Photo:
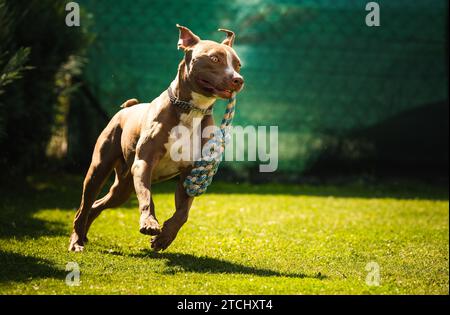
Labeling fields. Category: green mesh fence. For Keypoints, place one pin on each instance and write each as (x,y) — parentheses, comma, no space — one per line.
(313,68)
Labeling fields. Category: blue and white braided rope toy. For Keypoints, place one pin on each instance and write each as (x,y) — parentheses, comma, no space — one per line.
(204,169)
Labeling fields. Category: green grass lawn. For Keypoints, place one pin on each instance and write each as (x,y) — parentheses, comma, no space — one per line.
(240,239)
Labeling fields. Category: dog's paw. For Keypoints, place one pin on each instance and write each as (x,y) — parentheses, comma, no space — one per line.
(76,248)
(76,245)
(161,242)
(149,226)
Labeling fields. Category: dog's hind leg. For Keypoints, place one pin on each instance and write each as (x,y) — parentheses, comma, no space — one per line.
(95,178)
(106,153)
(118,194)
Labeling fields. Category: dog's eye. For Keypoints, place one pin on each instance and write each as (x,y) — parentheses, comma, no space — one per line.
(214,58)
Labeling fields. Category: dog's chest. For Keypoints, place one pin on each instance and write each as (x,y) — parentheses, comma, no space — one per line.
(181,138)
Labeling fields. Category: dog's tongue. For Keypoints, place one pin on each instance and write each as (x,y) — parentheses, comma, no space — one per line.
(226,94)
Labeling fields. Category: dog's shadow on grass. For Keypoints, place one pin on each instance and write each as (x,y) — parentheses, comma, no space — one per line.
(20,268)
(179,262)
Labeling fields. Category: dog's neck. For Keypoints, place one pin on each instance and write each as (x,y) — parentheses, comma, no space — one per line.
(182,89)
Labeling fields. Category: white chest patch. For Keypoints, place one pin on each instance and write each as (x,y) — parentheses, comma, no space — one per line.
(202,101)
(182,135)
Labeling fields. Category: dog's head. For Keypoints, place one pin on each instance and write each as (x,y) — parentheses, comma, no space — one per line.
(212,68)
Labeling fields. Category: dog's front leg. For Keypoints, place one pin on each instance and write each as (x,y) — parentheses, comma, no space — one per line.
(142,173)
(171,227)
(183,201)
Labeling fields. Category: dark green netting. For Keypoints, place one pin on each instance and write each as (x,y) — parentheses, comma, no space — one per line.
(313,68)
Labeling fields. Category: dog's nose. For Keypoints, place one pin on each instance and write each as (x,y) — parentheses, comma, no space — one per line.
(237,82)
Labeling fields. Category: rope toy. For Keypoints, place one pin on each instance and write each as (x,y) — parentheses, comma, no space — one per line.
(204,169)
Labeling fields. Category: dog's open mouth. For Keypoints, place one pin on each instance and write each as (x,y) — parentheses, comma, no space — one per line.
(208,86)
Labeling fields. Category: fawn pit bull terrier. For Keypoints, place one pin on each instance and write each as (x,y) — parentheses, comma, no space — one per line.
(136,143)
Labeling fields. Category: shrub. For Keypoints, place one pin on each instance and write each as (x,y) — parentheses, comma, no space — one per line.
(33,37)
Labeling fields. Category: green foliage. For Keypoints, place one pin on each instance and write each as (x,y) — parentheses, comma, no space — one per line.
(239,239)
(12,69)
(11,66)
(34,37)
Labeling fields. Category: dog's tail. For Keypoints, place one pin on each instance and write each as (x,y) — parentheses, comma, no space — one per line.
(129,103)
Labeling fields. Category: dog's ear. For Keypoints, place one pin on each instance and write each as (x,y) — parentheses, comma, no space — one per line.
(230,37)
(187,38)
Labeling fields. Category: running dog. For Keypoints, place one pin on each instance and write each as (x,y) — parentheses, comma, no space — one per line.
(136,143)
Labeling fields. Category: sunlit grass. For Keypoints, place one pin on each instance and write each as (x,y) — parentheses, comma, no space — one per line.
(240,239)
